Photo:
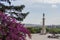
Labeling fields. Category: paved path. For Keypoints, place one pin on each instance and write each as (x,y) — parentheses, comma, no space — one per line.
(41,37)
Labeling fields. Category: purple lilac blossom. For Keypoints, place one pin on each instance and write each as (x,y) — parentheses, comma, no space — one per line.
(11,30)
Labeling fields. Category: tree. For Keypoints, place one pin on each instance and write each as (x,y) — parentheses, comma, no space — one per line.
(10,29)
(14,11)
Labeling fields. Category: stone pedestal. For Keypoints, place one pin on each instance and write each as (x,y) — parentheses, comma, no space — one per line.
(43,31)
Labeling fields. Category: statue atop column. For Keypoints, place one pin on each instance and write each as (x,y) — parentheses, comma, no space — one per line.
(43,31)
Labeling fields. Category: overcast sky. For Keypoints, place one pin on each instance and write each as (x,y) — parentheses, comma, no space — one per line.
(51,8)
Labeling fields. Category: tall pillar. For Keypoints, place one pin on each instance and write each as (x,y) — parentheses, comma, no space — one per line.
(43,31)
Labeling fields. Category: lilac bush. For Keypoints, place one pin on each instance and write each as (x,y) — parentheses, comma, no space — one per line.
(10,29)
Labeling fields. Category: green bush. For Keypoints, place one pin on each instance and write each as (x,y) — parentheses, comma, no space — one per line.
(34,29)
(54,30)
(38,30)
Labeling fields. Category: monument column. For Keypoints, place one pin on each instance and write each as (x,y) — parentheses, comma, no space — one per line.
(43,31)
